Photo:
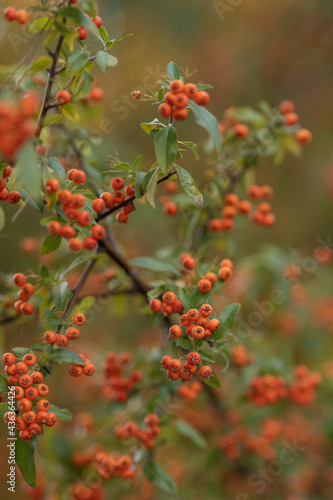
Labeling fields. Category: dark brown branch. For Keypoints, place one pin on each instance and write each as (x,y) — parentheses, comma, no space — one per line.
(131,198)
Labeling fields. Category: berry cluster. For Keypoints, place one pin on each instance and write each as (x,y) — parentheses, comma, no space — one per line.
(118,386)
(88,369)
(113,464)
(14,196)
(71,205)
(30,392)
(241,357)
(116,198)
(302,391)
(234,206)
(23,306)
(209,280)
(176,369)
(16,123)
(72,332)
(177,99)
(146,436)
(21,16)
(190,392)
(169,304)
(81,491)
(267,389)
(290,118)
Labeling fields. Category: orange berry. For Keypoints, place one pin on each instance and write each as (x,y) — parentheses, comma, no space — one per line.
(75,244)
(205,372)
(72,333)
(202,98)
(181,100)
(175,332)
(63,97)
(225,273)
(180,114)
(190,90)
(165,109)
(241,130)
(206,310)
(10,13)
(211,277)
(176,86)
(13,197)
(8,358)
(37,377)
(98,205)
(22,16)
(204,286)
(42,389)
(98,232)
(165,362)
(82,33)
(193,358)
(29,359)
(50,337)
(79,319)
(54,227)
(304,136)
(98,21)
(286,107)
(244,207)
(155,305)
(19,279)
(169,298)
(89,243)
(62,341)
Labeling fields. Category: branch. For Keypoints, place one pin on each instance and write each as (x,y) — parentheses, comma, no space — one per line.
(131,198)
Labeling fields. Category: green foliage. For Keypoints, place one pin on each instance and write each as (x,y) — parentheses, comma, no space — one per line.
(161,479)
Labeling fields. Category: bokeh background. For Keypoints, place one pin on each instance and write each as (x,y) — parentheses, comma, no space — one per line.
(254,50)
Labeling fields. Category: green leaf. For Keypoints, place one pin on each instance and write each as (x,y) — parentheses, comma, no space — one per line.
(65,356)
(184,343)
(189,185)
(104,61)
(149,126)
(208,121)
(44,272)
(214,382)
(151,187)
(26,177)
(138,180)
(227,317)
(42,62)
(2,219)
(70,112)
(60,295)
(104,34)
(161,479)
(249,115)
(58,168)
(207,357)
(111,43)
(166,147)
(123,166)
(193,147)
(75,61)
(41,347)
(62,413)
(50,244)
(186,298)
(39,24)
(25,459)
(84,305)
(154,265)
(36,203)
(173,71)
(3,384)
(20,351)
(190,432)
(53,320)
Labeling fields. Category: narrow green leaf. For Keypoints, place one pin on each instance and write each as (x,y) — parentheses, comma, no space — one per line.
(50,244)
(161,479)
(20,351)
(76,60)
(149,126)
(193,147)
(184,343)
(65,356)
(189,185)
(39,24)
(25,459)
(154,265)
(208,121)
(151,187)
(173,71)
(62,413)
(58,168)
(3,384)
(214,382)
(166,147)
(26,177)
(190,432)
(227,317)
(70,112)
(60,295)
